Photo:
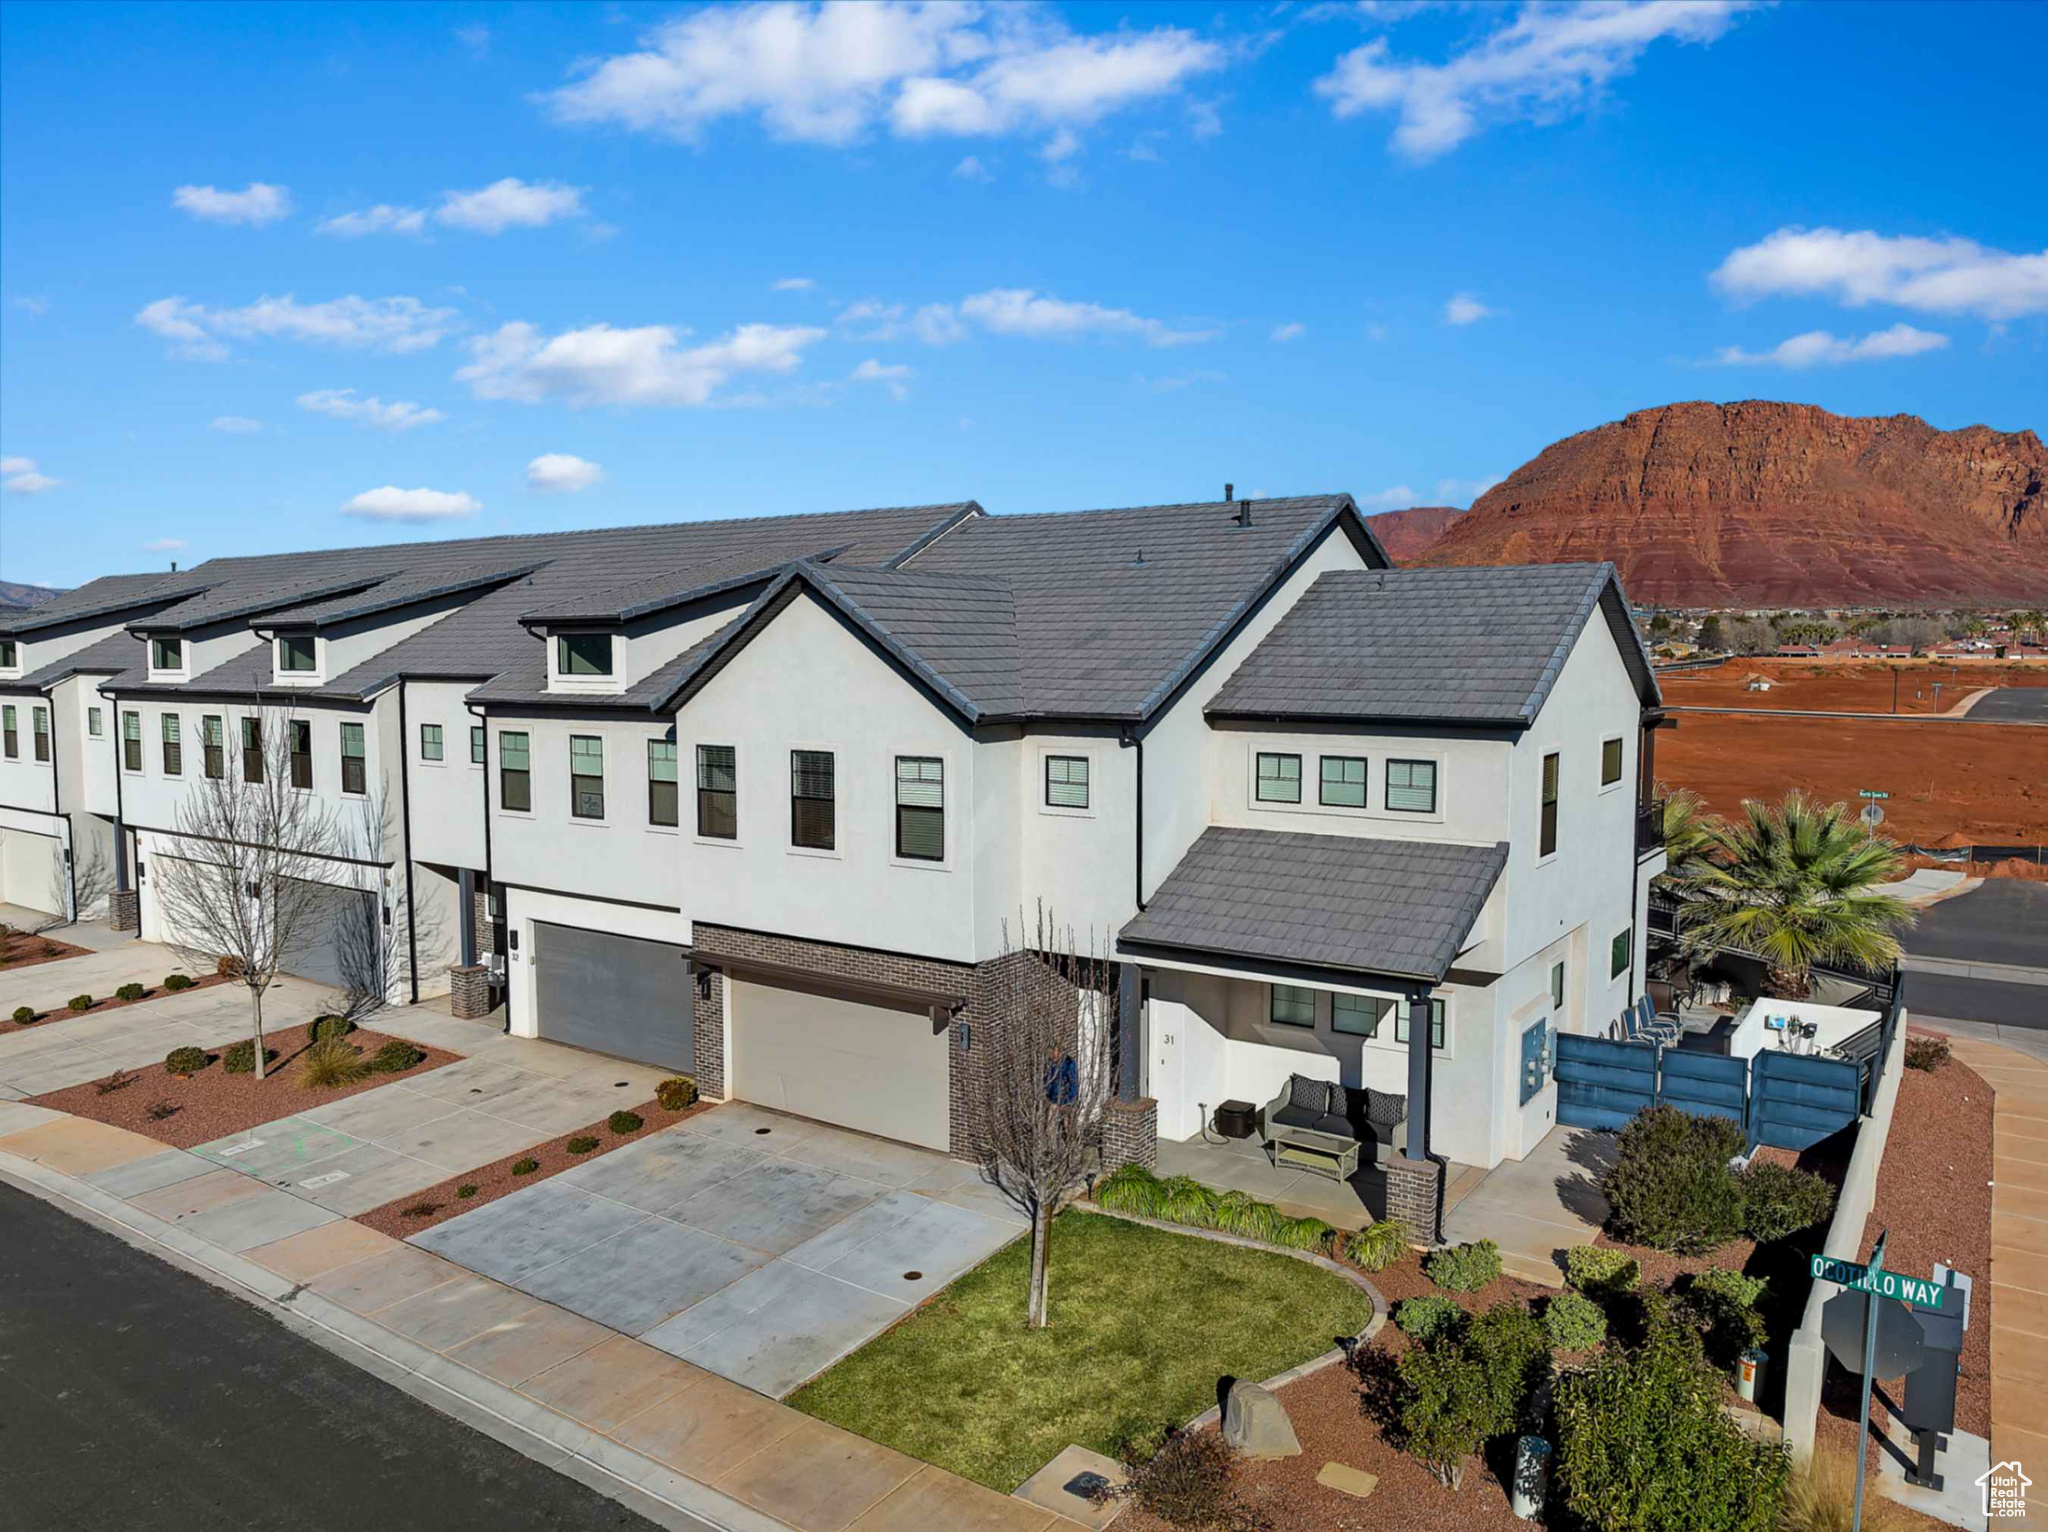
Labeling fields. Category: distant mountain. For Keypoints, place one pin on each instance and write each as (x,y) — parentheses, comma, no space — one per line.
(1407,534)
(1779,505)
(17,595)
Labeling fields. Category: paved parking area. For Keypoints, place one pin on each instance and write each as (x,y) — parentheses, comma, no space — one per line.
(757,1246)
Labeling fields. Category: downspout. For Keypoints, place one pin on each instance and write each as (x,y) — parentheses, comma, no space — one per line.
(121,878)
(490,877)
(1133,740)
(412,910)
(57,804)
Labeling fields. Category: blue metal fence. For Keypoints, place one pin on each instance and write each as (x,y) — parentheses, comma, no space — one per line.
(1797,1100)
(1705,1084)
(1787,1100)
(1602,1083)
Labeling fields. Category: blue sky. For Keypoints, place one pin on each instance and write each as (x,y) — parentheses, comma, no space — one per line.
(280,277)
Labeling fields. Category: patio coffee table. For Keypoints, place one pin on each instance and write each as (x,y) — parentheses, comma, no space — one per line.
(1319,1155)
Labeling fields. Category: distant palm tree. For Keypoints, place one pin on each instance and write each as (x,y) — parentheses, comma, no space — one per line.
(1798,885)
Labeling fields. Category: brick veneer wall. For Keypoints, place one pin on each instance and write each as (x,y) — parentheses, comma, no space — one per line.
(124,910)
(1415,1197)
(1130,1134)
(469,991)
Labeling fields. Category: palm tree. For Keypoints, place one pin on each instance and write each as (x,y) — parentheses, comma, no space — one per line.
(1798,884)
(1689,839)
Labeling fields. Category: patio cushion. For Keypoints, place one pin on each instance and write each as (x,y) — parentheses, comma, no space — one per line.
(1340,1126)
(1383,1109)
(1296,1117)
(1311,1096)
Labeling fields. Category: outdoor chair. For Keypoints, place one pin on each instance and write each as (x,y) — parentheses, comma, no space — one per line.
(1319,1126)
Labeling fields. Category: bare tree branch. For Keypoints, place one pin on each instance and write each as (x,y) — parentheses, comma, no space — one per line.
(74,893)
(376,938)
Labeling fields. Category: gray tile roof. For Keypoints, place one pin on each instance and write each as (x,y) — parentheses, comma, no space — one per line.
(1397,907)
(110,656)
(107,596)
(1476,646)
(401,590)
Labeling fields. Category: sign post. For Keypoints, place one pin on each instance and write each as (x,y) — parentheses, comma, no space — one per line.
(1869,1359)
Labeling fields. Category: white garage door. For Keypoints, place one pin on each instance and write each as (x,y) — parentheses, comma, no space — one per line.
(28,862)
(861,1066)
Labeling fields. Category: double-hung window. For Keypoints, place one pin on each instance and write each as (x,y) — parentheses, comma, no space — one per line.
(718,814)
(1411,786)
(1279,778)
(42,728)
(1547,844)
(1610,761)
(1066,781)
(1358,1015)
(813,817)
(95,722)
(586,776)
(1618,954)
(1292,1006)
(212,740)
(1436,1024)
(252,750)
(515,774)
(476,744)
(174,748)
(10,738)
(921,808)
(299,735)
(131,741)
(661,782)
(353,766)
(430,742)
(1343,782)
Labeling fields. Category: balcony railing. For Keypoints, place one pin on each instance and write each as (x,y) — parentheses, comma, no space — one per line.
(1650,828)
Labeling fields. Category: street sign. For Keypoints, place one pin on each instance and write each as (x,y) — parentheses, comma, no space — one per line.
(1871,792)
(1886,1284)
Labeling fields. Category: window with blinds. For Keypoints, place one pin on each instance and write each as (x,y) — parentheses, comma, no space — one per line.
(1358,1015)
(718,813)
(586,776)
(42,730)
(95,722)
(1279,778)
(1066,781)
(299,737)
(921,808)
(813,821)
(174,747)
(1343,782)
(1292,1006)
(1548,842)
(10,738)
(661,782)
(166,654)
(1436,1025)
(354,768)
(1411,786)
(213,744)
(515,776)
(252,750)
(131,741)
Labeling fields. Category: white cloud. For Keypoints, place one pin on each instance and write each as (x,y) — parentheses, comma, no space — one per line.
(896,375)
(1464,308)
(10,465)
(1063,145)
(199,333)
(1397,497)
(1023,311)
(384,218)
(792,285)
(235,425)
(258,205)
(33,305)
(972,169)
(1179,381)
(561,473)
(1940,276)
(342,404)
(389,503)
(1292,330)
(508,203)
(830,74)
(646,365)
(1817,348)
(1549,62)
(475,37)
(21,476)
(163,545)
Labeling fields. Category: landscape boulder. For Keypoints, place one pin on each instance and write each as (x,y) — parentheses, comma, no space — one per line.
(1256,1423)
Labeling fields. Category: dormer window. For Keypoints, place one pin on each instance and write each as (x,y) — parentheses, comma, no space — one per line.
(10,655)
(583,656)
(167,655)
(295,655)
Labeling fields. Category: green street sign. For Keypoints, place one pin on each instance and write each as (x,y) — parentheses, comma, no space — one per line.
(1886,1284)
(1871,792)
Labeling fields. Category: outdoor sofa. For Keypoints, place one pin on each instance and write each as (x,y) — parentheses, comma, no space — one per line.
(1320,1126)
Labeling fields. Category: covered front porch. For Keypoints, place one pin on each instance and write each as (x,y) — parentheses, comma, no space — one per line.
(1245,1165)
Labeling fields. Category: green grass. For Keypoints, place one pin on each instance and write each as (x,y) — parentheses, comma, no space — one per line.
(1143,1324)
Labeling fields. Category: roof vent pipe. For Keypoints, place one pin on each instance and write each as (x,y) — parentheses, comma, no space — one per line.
(1244,513)
(174,566)
(1230,492)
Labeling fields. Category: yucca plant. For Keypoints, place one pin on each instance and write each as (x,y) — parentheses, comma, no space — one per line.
(1130,1189)
(1183,1199)
(331,1062)
(1378,1246)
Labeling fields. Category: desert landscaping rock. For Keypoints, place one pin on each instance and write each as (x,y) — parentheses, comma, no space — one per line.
(1256,1423)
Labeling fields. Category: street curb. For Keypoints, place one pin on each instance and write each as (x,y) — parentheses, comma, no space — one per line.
(566,1446)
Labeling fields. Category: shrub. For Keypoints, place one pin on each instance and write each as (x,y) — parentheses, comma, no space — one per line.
(1723,1304)
(1464,1268)
(177,981)
(1304,1234)
(1928,1053)
(24,1014)
(230,967)
(130,992)
(1822,1498)
(158,1111)
(1445,1412)
(1183,1199)
(1242,1214)
(1379,1246)
(1643,1445)
(240,1058)
(582,1143)
(1188,1481)
(81,1002)
(1778,1200)
(1601,1270)
(1131,1189)
(676,1092)
(185,1061)
(328,1026)
(395,1058)
(466,1190)
(331,1062)
(623,1122)
(1513,1353)
(1671,1188)
(525,1167)
(1574,1322)
(1428,1318)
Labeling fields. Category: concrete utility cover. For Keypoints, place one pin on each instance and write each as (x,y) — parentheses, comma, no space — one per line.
(1900,1344)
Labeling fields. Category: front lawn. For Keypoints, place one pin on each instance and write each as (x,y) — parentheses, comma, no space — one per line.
(1143,1324)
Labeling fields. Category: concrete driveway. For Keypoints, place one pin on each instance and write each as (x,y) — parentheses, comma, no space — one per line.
(758,1246)
(98,973)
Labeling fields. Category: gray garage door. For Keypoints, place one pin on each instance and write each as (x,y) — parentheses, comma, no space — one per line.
(863,1066)
(343,934)
(614,994)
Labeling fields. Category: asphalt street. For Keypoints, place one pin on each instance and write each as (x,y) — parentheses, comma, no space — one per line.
(1939,995)
(2014,704)
(135,1395)
(2002,920)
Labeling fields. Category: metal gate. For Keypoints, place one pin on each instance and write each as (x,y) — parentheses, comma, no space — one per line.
(1797,1099)
(1704,1084)
(1602,1083)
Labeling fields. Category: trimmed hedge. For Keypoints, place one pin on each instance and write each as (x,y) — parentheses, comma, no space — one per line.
(130,992)
(395,1057)
(240,1058)
(24,1014)
(1778,1200)
(328,1026)
(177,981)
(624,1122)
(1428,1317)
(186,1061)
(80,1002)
(1574,1322)
(1464,1268)
(582,1143)
(525,1167)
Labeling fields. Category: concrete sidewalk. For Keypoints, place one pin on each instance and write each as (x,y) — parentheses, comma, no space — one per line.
(650,1423)
(1538,1206)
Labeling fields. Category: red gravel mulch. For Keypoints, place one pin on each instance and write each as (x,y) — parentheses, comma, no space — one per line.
(27,951)
(1934,1195)
(495,1180)
(62,1012)
(214,1103)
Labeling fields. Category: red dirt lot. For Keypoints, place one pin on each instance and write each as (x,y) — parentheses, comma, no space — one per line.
(62,1012)
(1849,686)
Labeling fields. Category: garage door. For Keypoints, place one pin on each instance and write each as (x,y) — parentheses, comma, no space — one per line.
(342,933)
(861,1066)
(614,994)
(27,863)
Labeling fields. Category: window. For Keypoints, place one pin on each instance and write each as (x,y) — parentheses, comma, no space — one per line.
(1279,778)
(131,741)
(476,744)
(812,822)
(1547,845)
(10,739)
(1436,1024)
(1292,1006)
(515,779)
(211,744)
(1066,781)
(718,815)
(296,654)
(661,782)
(174,749)
(1610,762)
(252,750)
(583,654)
(1343,782)
(352,763)
(1411,786)
(1618,954)
(299,736)
(1358,1015)
(430,742)
(42,728)
(921,808)
(586,776)
(95,722)
(1556,985)
(8,654)
(166,654)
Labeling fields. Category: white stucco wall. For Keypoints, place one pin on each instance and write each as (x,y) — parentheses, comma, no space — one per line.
(448,795)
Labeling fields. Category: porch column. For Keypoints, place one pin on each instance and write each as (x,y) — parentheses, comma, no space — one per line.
(1418,1077)
(469,981)
(1130,1129)
(124,905)
(466,880)
(1128,1005)
(1415,1179)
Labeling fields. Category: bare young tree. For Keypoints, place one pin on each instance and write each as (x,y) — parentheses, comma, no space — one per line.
(1043,1082)
(243,882)
(376,937)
